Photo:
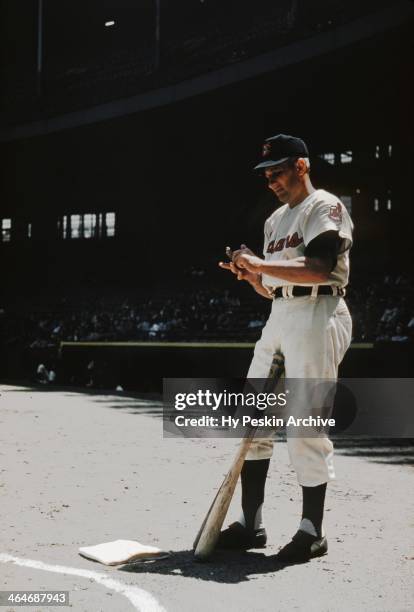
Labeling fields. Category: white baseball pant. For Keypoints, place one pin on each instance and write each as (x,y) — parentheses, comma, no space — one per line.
(313,333)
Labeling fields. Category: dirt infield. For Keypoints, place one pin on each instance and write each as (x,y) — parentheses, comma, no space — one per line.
(79,469)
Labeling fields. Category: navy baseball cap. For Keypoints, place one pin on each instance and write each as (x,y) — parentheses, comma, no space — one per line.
(280,148)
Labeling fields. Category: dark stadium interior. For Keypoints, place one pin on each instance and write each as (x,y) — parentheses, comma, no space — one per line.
(178,176)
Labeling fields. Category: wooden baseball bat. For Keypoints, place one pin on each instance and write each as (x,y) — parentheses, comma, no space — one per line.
(209,531)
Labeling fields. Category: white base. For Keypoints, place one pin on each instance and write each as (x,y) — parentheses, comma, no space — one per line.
(120,552)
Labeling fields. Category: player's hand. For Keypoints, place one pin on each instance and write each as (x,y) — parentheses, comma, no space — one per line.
(243,250)
(232,267)
(242,274)
(250,277)
(251,263)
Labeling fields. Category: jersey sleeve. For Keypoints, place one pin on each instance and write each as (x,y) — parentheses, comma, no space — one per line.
(325,246)
(328,215)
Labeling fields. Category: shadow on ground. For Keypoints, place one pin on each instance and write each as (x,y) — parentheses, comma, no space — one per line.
(225,567)
(398,451)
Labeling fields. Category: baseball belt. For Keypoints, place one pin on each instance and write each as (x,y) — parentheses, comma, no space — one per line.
(299,291)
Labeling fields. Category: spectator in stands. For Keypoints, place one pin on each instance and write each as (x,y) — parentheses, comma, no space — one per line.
(256,322)
(45,376)
(390,313)
(399,335)
(378,310)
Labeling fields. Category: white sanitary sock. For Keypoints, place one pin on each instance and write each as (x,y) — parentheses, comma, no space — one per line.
(258,519)
(307,526)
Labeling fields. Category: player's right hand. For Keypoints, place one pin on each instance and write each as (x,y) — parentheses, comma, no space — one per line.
(230,266)
(244,274)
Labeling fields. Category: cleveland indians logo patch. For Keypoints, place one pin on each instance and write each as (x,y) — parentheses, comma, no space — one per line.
(267,147)
(335,212)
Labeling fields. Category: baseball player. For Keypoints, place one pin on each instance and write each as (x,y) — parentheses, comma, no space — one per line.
(304,272)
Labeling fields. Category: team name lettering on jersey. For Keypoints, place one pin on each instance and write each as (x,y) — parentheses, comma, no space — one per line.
(285,243)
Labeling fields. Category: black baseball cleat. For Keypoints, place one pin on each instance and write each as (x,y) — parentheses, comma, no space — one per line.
(237,537)
(302,548)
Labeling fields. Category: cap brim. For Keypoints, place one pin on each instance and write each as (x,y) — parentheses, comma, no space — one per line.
(270,162)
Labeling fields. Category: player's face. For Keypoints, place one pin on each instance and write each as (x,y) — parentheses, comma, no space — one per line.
(283,180)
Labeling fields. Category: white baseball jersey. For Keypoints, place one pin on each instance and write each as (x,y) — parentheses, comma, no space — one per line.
(288,231)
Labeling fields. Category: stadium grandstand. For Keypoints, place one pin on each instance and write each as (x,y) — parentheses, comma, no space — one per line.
(128,132)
